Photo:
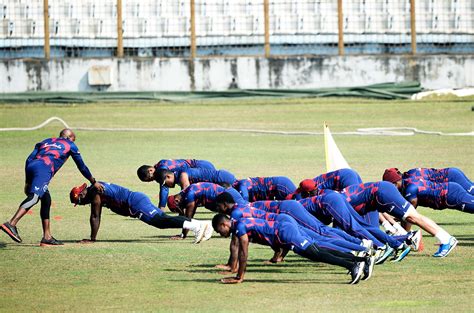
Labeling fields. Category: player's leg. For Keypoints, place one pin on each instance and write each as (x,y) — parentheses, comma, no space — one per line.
(48,239)
(349,177)
(204,164)
(305,246)
(225,178)
(143,208)
(459,199)
(284,187)
(455,175)
(340,210)
(333,243)
(303,217)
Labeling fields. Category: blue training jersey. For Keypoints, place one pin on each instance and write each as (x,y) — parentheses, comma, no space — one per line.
(258,230)
(205,194)
(431,174)
(337,180)
(427,193)
(117,198)
(54,152)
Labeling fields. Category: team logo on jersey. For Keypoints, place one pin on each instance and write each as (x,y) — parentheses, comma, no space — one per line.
(36,188)
(303,243)
(53,145)
(391,208)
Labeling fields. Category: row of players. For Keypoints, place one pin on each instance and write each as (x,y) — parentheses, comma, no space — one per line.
(339,197)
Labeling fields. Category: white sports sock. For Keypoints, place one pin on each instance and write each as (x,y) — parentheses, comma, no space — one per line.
(443,236)
(388,227)
(400,229)
(192,225)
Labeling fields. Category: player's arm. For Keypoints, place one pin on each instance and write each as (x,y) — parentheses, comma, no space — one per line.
(184,180)
(232,264)
(189,211)
(243,255)
(32,154)
(243,190)
(96,212)
(81,166)
(164,190)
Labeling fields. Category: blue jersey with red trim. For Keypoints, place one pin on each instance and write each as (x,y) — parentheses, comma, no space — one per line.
(258,230)
(202,194)
(337,180)
(432,174)
(177,166)
(248,211)
(362,197)
(272,206)
(196,175)
(427,193)
(257,188)
(54,152)
(117,198)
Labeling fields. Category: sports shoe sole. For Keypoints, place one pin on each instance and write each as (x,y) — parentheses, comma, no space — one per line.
(9,233)
(371,268)
(385,256)
(416,245)
(358,277)
(402,255)
(198,239)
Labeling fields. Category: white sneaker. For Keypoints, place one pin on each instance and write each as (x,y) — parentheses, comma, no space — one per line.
(415,240)
(209,231)
(200,232)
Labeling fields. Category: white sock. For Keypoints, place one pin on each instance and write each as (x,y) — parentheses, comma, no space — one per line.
(388,227)
(192,225)
(400,229)
(443,236)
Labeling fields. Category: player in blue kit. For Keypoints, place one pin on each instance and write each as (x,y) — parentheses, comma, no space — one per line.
(199,195)
(335,238)
(331,207)
(124,202)
(265,188)
(335,180)
(41,165)
(284,233)
(384,197)
(148,173)
(427,193)
(443,175)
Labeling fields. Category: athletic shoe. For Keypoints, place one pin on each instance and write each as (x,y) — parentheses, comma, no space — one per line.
(401,253)
(11,231)
(209,231)
(446,248)
(369,267)
(367,244)
(388,252)
(199,233)
(50,242)
(356,272)
(414,240)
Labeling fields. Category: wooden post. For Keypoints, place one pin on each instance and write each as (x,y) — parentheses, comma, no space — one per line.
(193,29)
(340,27)
(119,30)
(266,13)
(47,48)
(413,26)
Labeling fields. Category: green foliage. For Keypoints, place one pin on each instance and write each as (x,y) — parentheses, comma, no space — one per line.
(135,267)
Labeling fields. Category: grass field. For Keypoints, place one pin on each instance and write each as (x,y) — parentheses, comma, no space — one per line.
(135,267)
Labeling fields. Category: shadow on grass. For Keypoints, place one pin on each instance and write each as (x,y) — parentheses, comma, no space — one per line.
(455,223)
(3,245)
(266,281)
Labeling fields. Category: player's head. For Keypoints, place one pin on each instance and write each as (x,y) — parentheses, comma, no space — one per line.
(67,133)
(307,188)
(225,202)
(393,176)
(221,224)
(175,203)
(79,195)
(165,177)
(146,173)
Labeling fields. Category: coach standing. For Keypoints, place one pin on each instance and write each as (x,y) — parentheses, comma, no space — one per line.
(46,159)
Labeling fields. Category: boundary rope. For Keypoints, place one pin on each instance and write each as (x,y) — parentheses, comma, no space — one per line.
(379,131)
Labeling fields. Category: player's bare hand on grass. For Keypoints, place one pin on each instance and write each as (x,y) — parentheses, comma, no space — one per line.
(226,272)
(86,241)
(231,280)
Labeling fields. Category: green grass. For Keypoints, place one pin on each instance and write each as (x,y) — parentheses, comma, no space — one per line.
(137,268)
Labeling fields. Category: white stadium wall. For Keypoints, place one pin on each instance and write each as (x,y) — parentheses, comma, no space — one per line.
(177,74)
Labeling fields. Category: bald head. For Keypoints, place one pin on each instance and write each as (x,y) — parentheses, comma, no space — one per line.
(67,133)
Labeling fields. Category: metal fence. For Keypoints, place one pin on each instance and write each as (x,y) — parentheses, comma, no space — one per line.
(205,28)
